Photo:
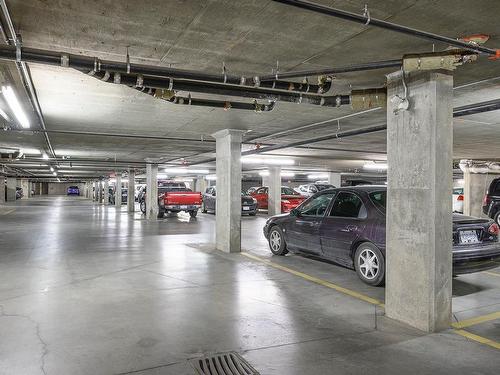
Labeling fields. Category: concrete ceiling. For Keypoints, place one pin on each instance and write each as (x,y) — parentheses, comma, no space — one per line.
(248,37)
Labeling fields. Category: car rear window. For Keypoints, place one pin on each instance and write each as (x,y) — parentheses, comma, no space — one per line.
(379,199)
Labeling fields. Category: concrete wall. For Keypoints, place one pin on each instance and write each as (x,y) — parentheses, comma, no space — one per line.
(60,188)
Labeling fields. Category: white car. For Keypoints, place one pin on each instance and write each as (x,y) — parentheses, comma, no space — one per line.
(308,190)
(458,200)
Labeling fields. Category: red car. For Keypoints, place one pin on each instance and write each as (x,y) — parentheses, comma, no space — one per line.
(289,198)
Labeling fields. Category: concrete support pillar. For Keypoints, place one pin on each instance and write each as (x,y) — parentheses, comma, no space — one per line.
(265,181)
(419,214)
(106,191)
(100,192)
(25,185)
(475,187)
(2,189)
(131,191)
(96,189)
(335,179)
(151,191)
(118,191)
(274,193)
(11,189)
(228,203)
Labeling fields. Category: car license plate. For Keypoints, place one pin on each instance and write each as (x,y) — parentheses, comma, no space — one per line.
(468,236)
(246,208)
(184,207)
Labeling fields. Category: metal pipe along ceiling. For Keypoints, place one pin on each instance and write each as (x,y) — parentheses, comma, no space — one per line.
(140,81)
(369,21)
(86,63)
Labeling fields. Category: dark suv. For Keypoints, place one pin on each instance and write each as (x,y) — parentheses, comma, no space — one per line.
(491,201)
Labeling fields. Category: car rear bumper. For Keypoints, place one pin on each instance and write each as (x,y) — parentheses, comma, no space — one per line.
(482,257)
(250,210)
(175,207)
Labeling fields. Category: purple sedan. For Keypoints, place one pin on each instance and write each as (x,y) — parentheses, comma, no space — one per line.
(347,226)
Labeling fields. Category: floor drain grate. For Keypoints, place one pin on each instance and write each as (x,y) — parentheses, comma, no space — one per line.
(223,364)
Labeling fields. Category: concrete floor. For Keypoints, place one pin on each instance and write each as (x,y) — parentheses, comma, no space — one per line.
(85,289)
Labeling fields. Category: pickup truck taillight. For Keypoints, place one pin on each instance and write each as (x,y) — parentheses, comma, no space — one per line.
(486,200)
(460,197)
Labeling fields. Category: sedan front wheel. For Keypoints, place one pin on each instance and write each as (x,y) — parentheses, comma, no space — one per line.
(370,264)
(277,241)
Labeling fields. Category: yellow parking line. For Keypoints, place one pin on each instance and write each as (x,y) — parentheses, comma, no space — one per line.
(492,273)
(316,280)
(480,339)
(477,320)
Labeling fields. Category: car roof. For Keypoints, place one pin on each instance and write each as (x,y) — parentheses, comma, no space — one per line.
(363,188)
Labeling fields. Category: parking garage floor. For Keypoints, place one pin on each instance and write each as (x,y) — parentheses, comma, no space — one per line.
(85,289)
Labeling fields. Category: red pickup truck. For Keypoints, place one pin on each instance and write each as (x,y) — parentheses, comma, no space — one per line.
(174,197)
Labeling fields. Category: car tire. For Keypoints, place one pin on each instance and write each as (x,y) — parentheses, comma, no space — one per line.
(277,241)
(497,218)
(193,213)
(161,213)
(203,208)
(253,213)
(143,207)
(370,264)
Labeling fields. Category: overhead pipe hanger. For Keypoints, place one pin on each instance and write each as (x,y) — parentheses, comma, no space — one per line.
(370,21)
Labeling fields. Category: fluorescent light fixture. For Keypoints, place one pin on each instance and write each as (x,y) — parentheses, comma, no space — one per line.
(51,169)
(4,115)
(211,177)
(373,166)
(54,173)
(252,159)
(58,179)
(186,171)
(15,106)
(45,156)
(264,173)
(317,176)
(183,179)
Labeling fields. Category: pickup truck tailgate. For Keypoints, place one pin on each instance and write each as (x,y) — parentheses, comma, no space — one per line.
(183,198)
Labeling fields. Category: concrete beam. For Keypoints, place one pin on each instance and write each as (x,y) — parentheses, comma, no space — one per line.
(131,191)
(274,192)
(228,203)
(419,217)
(151,191)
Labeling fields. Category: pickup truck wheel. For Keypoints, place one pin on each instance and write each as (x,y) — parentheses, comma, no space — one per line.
(143,207)
(193,213)
(161,213)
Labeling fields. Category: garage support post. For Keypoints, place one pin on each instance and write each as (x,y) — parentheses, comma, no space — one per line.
(131,191)
(335,179)
(101,191)
(475,187)
(11,189)
(274,192)
(106,191)
(2,189)
(228,203)
(151,191)
(118,190)
(419,212)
